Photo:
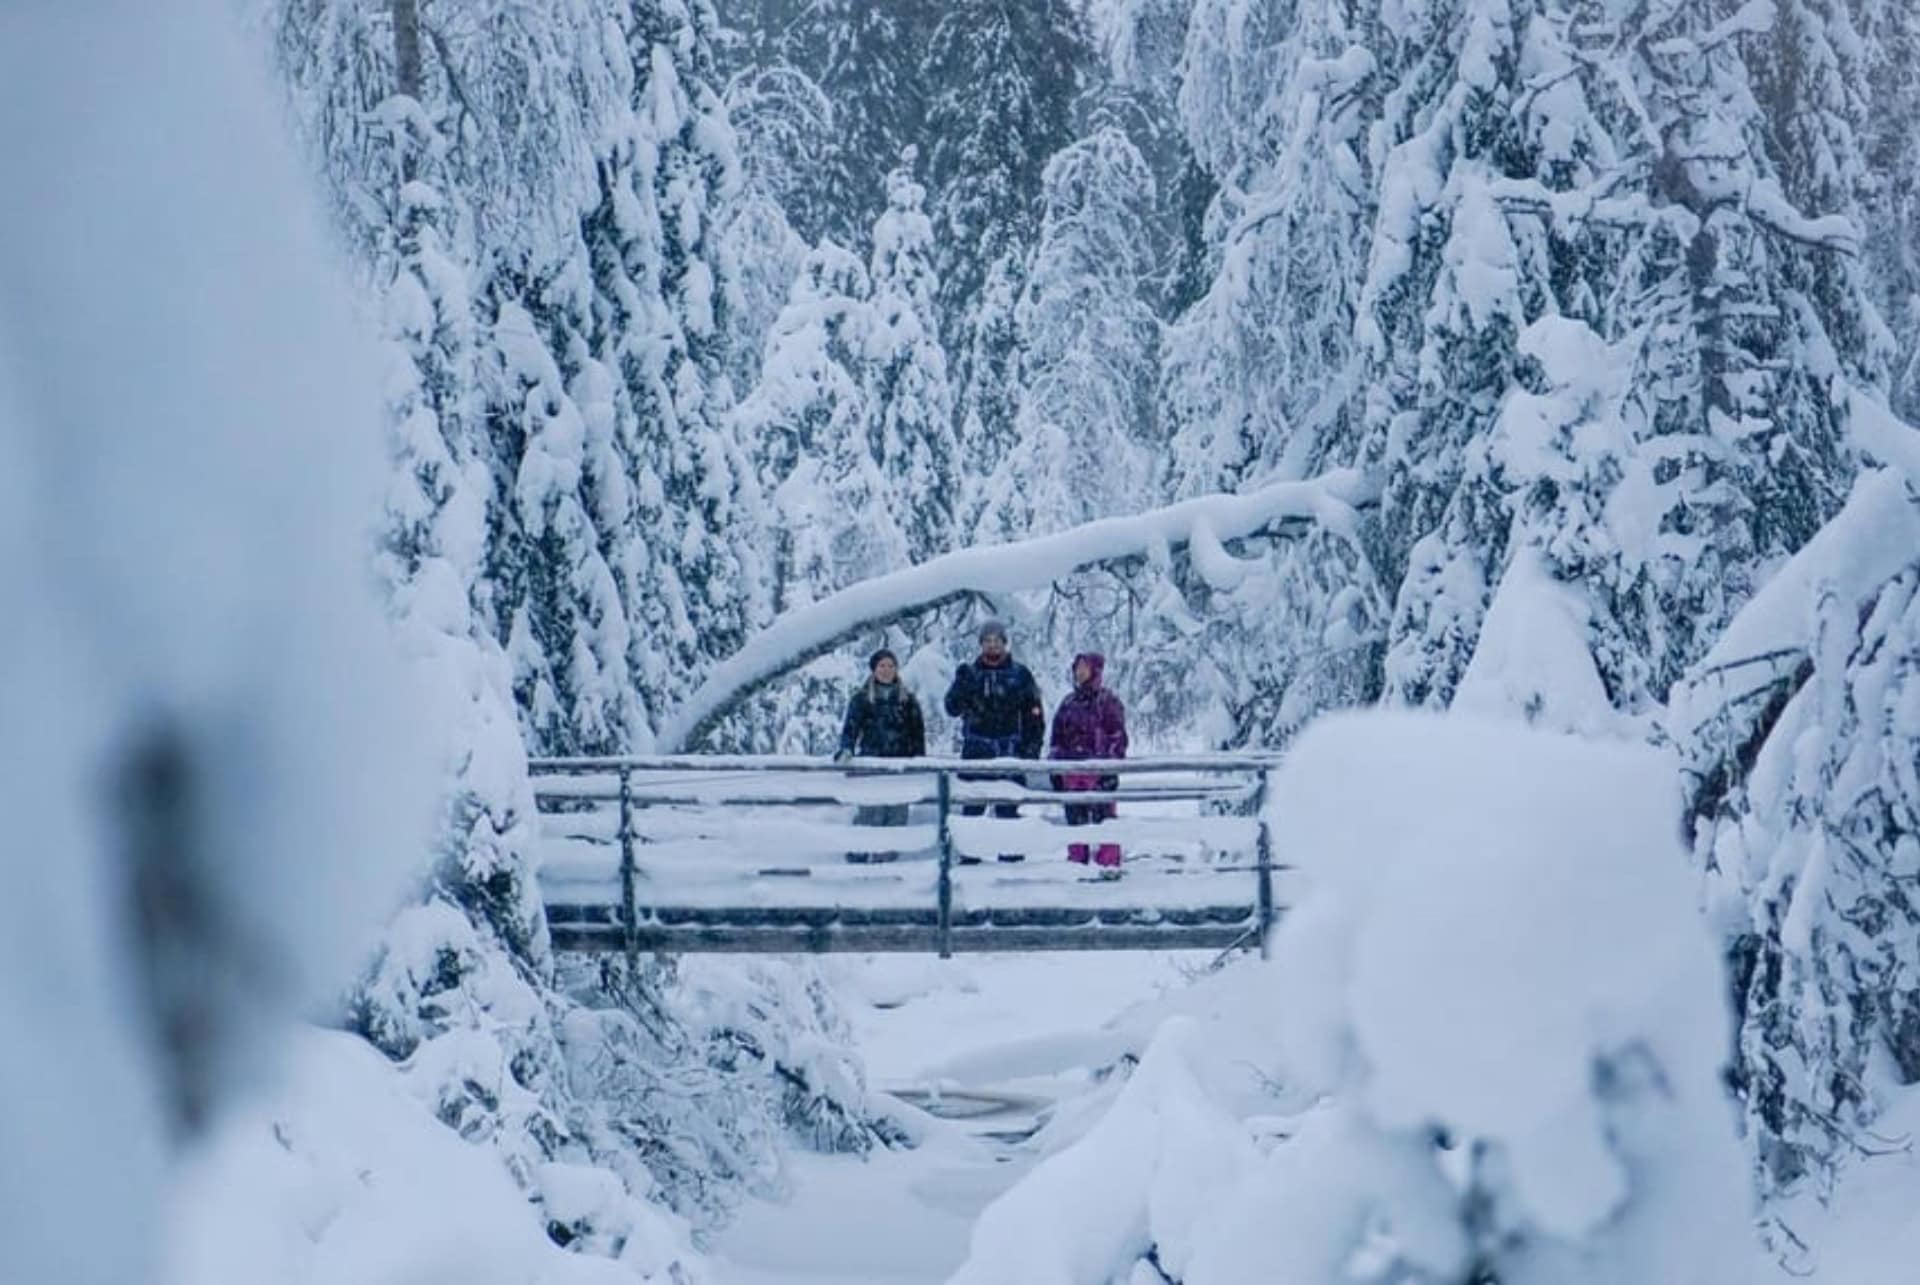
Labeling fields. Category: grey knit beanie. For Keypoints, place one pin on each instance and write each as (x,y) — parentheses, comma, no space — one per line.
(992,627)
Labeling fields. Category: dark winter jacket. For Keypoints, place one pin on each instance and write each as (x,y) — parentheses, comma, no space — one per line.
(999,709)
(883,721)
(1091,723)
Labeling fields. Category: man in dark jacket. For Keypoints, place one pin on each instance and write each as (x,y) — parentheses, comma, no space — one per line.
(1001,715)
(883,721)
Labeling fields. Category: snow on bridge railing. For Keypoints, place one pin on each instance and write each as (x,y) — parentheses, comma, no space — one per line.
(706,853)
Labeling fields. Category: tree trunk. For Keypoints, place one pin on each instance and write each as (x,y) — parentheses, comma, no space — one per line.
(406,47)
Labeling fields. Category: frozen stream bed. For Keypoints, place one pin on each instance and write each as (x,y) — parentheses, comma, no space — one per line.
(998,1045)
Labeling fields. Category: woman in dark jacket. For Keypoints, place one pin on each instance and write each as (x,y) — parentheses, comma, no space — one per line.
(883,721)
(1091,723)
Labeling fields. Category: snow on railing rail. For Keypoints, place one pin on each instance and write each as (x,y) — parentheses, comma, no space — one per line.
(715,828)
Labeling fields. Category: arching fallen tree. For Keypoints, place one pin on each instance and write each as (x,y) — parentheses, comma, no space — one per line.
(1201,526)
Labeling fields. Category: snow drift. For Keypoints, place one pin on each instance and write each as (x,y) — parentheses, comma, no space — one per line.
(1497,1018)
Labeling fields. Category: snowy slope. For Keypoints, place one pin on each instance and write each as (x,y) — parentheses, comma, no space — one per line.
(341,1175)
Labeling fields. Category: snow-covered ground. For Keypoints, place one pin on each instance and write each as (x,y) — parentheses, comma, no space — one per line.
(1281,1121)
(341,1173)
(996,1045)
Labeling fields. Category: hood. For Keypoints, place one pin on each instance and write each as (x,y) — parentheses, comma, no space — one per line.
(1096,662)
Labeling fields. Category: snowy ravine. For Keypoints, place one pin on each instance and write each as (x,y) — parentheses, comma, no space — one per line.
(1503,409)
(1016,1056)
(720,330)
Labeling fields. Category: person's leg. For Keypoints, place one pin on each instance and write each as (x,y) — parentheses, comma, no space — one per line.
(969,810)
(1009,812)
(1109,854)
(865,815)
(889,814)
(1077,815)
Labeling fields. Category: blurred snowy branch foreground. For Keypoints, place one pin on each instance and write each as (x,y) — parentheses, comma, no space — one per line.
(210,779)
(1497,1025)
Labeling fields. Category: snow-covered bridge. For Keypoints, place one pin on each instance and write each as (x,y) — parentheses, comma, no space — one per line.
(751,854)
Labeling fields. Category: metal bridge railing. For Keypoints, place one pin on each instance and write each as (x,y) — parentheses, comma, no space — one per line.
(748,853)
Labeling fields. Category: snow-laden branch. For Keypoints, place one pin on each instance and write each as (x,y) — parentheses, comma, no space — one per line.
(812,630)
(1882,434)
(1599,204)
(1874,536)
(1728,704)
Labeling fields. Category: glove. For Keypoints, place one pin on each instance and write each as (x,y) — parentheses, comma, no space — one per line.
(842,755)
(1109,784)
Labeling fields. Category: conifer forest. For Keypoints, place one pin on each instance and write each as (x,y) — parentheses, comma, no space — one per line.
(1485,434)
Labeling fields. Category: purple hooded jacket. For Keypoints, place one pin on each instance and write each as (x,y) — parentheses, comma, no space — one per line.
(1091,723)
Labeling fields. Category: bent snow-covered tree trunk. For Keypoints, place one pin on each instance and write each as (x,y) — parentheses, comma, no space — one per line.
(1201,525)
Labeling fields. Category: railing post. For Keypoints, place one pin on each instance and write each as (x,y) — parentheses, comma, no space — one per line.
(1263,866)
(944,793)
(629,908)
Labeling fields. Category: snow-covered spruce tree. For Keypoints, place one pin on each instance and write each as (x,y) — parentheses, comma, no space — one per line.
(414,222)
(1084,431)
(1800,743)
(1084,427)
(455,989)
(809,421)
(493,314)
(813,424)
(1789,820)
(1446,296)
(1506,203)
(1261,375)
(910,398)
(1403,193)
(1142,43)
(698,583)
(1002,82)
(568,633)
(864,60)
(1805,196)
(1834,985)
(1260,372)
(1889,32)
(546,587)
(782,121)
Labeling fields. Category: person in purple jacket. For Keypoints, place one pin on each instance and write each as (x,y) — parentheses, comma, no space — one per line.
(1090,724)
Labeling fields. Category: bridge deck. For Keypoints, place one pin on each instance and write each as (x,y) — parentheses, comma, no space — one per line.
(814,930)
(751,856)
